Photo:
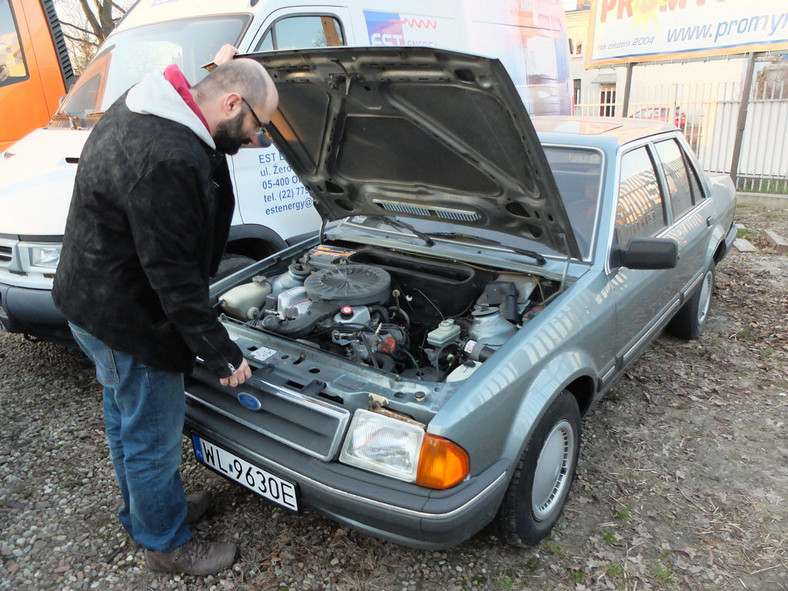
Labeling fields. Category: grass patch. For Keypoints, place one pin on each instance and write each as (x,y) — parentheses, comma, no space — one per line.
(614,570)
(663,574)
(577,576)
(505,582)
(554,547)
(624,513)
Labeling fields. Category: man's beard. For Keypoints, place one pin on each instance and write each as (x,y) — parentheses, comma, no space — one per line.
(229,136)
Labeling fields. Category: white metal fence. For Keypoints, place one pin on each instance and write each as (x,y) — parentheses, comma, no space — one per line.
(708,113)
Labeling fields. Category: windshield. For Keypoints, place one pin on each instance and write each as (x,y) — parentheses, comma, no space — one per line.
(131,54)
(578,173)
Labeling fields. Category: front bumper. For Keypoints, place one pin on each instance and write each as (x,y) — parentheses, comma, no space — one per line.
(32,311)
(386,508)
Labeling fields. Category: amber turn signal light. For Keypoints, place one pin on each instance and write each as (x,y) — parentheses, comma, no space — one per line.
(442,463)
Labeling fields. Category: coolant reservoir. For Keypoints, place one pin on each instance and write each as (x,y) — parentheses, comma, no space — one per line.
(244,301)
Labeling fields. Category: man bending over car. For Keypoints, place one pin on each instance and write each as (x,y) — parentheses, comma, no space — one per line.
(149,219)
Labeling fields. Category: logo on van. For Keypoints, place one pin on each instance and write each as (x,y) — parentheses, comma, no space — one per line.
(391,28)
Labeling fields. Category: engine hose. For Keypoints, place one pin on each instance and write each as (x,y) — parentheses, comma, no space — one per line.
(384,362)
(303,324)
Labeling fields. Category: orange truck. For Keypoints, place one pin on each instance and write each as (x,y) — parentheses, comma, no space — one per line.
(35,70)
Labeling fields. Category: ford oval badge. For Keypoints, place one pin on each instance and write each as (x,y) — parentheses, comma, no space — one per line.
(249,401)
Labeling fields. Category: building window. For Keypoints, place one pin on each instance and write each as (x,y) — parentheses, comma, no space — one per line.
(607,100)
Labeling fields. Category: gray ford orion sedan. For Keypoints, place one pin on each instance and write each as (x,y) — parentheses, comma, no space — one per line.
(421,367)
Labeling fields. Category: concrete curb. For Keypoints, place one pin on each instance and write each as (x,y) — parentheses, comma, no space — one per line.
(771,201)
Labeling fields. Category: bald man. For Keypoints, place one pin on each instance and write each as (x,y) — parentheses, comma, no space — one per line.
(149,220)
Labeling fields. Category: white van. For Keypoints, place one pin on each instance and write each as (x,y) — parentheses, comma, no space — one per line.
(273,209)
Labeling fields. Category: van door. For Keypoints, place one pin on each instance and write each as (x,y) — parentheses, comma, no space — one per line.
(269,194)
(34,72)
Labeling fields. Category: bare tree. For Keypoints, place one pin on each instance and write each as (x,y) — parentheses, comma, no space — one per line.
(86,23)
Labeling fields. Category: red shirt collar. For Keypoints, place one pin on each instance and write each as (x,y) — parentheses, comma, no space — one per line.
(174,76)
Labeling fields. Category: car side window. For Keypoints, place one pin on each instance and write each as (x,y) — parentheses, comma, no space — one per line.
(640,211)
(697,190)
(674,168)
(13,67)
(298,32)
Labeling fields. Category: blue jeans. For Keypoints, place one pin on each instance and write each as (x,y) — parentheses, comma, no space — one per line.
(143,412)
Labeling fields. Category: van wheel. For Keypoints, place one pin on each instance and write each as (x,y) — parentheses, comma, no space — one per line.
(689,322)
(229,264)
(539,488)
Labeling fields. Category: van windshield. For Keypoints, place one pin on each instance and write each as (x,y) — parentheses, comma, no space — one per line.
(131,54)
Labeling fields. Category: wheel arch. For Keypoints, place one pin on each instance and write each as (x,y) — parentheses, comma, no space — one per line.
(254,241)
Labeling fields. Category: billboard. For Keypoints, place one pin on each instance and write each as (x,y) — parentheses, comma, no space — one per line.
(623,31)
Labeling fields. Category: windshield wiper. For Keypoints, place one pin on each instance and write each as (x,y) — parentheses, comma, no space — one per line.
(540,260)
(403,226)
(73,121)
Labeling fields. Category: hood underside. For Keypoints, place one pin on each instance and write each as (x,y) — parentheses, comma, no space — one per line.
(415,132)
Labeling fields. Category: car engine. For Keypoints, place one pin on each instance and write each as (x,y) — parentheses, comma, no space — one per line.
(418,317)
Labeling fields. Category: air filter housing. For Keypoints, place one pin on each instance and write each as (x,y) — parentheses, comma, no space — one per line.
(354,285)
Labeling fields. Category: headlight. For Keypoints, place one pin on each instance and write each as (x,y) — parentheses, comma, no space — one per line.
(43,257)
(403,450)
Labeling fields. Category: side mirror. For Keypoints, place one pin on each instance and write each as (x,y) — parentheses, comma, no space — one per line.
(647,253)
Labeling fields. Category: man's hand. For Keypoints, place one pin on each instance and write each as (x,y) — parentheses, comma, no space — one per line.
(225,54)
(241,374)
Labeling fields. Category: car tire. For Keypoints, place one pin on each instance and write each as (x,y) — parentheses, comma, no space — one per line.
(540,486)
(229,264)
(690,320)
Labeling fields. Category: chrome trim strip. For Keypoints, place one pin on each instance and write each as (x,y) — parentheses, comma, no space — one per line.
(298,476)
(656,327)
(695,283)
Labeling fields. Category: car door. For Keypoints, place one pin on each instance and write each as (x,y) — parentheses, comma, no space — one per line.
(267,190)
(690,212)
(645,298)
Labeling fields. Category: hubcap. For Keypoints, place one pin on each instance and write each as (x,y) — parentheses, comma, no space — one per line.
(551,476)
(704,300)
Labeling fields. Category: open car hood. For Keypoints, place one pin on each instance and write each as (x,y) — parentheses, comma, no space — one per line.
(415,132)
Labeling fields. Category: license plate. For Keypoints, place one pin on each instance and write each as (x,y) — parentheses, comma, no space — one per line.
(256,479)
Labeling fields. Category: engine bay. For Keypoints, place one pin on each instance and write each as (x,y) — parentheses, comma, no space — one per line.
(414,316)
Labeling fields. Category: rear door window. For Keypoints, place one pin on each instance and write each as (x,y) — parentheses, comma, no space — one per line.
(674,167)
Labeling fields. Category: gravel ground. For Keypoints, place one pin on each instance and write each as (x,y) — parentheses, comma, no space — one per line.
(681,482)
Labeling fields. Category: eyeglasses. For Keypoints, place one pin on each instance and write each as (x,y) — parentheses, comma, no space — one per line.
(263,139)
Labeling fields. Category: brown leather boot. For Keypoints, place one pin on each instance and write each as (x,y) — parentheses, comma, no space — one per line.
(195,557)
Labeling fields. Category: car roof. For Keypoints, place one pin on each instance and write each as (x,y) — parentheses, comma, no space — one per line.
(609,132)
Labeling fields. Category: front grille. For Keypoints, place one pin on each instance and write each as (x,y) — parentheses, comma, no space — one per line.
(294,418)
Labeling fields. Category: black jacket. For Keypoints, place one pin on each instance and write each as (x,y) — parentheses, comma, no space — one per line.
(148,223)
